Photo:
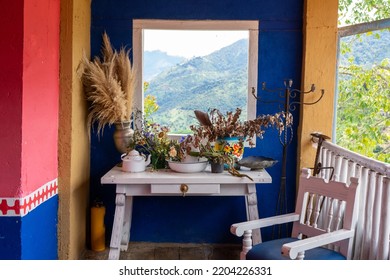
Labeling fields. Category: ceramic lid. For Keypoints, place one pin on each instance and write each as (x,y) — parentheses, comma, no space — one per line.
(134,155)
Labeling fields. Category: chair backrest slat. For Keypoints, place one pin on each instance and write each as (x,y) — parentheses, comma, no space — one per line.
(330,215)
(309,209)
(326,207)
(317,210)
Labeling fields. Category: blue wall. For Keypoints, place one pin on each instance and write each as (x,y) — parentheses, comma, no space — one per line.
(39,232)
(10,239)
(204,219)
(33,236)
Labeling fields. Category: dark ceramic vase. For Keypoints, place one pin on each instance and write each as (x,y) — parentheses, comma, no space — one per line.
(217,167)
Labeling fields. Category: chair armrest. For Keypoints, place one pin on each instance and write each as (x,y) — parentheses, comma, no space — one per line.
(292,249)
(239,228)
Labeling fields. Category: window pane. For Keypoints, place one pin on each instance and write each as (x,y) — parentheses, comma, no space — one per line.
(187,70)
(363,109)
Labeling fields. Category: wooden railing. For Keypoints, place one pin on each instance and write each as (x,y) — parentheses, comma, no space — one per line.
(372,238)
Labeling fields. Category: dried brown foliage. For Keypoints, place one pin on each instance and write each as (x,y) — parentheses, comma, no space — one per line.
(109,84)
(230,125)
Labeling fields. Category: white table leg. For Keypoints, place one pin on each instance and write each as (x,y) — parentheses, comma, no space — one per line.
(117,229)
(252,212)
(127,223)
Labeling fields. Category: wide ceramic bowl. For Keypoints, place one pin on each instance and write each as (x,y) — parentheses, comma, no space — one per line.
(188,167)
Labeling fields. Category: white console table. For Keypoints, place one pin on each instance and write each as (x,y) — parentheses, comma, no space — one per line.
(169,183)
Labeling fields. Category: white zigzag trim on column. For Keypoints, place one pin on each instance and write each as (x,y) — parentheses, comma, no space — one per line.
(14,207)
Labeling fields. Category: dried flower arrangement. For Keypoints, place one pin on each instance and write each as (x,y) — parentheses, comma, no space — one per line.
(153,138)
(109,84)
(215,125)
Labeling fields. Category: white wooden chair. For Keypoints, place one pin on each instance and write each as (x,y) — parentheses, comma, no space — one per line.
(323,224)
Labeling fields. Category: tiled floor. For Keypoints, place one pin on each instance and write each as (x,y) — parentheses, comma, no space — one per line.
(172,251)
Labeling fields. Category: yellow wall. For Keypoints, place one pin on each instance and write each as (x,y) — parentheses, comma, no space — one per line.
(319,68)
(73,144)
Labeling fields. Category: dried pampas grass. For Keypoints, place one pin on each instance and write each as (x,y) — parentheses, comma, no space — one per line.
(109,85)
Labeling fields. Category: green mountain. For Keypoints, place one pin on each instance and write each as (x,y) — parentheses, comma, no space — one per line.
(156,62)
(218,80)
(367,49)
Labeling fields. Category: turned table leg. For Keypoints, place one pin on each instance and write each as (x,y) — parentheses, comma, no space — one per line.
(127,223)
(252,211)
(117,229)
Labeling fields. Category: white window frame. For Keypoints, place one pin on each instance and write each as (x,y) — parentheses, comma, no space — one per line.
(230,25)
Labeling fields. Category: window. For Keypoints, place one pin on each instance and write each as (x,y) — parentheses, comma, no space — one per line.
(196,80)
(363,94)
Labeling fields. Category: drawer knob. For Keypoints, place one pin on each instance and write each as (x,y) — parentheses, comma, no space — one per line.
(183,189)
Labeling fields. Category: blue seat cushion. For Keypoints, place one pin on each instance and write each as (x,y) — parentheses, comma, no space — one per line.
(271,250)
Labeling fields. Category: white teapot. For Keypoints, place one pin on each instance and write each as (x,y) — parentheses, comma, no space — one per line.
(134,161)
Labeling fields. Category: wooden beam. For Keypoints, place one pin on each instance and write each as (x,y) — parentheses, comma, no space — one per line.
(319,68)
(364,27)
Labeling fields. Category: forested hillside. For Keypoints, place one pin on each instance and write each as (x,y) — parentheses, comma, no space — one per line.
(218,80)
(363,107)
(367,49)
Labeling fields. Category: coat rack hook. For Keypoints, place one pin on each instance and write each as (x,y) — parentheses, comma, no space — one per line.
(286,96)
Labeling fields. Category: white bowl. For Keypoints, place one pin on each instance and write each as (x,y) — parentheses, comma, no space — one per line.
(188,167)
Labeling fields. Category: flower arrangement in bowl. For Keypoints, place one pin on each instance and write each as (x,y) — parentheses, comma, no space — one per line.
(166,152)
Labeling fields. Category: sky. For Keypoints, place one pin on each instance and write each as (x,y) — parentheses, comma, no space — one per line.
(190,43)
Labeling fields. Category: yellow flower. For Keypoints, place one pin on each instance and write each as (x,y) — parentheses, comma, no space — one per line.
(217,146)
(227,149)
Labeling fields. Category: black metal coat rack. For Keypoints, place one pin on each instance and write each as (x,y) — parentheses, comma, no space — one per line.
(285,97)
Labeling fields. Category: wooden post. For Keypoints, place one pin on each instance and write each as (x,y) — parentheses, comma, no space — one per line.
(319,68)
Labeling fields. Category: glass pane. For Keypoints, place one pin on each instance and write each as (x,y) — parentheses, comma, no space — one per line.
(187,70)
(363,109)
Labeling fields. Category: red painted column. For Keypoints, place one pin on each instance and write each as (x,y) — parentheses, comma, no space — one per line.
(11,94)
(40,93)
(29,97)
(29,79)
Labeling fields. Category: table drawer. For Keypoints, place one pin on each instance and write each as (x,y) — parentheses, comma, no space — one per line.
(185,188)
